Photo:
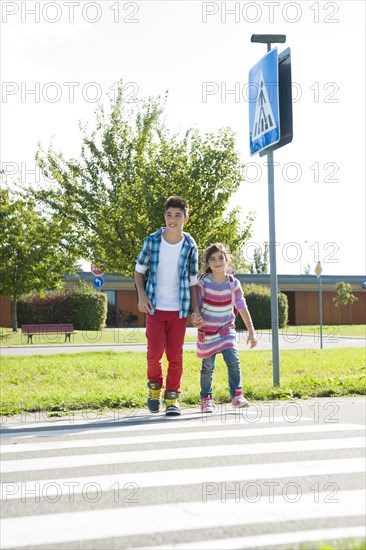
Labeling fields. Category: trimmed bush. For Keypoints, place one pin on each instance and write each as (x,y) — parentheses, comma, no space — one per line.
(258,300)
(90,310)
(84,307)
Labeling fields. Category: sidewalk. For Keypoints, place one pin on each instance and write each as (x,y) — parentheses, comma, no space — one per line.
(286,342)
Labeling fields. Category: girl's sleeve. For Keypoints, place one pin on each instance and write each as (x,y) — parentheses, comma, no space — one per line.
(240,302)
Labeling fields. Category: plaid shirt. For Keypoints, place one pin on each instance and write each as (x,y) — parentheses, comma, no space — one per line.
(187,268)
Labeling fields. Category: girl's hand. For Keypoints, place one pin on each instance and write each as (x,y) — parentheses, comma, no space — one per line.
(252,341)
(196,320)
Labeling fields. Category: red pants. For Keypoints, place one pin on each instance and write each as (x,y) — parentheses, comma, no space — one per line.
(164,330)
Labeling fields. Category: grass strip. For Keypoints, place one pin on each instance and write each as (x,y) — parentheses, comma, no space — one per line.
(344,544)
(102,380)
(136,335)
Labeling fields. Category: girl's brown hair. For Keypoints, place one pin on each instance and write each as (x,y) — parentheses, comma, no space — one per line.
(217,247)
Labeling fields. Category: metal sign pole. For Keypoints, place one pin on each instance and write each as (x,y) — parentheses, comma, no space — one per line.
(321,312)
(273,267)
(318,272)
(273,272)
(268,39)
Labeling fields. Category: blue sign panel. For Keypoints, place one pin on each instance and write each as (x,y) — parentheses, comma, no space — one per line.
(264,113)
(98,282)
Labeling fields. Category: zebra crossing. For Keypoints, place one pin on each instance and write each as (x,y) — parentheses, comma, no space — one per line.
(233,479)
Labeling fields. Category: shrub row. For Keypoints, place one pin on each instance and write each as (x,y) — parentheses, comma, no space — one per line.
(85,308)
(258,300)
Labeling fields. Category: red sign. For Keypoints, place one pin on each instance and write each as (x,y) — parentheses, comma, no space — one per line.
(95,270)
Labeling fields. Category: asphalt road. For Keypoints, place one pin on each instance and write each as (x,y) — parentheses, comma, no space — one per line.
(272,476)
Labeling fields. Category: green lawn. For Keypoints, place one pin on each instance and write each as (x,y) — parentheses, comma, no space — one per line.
(346,544)
(109,379)
(130,336)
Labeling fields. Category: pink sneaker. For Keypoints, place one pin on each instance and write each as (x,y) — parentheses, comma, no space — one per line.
(239,400)
(207,405)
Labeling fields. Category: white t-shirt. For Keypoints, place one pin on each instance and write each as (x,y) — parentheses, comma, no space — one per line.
(167,289)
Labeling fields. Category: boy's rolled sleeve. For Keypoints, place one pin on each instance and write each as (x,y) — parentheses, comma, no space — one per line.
(193,280)
(193,267)
(143,260)
(141,268)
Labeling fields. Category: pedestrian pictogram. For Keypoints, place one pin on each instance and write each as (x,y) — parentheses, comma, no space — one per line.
(263,118)
(264,113)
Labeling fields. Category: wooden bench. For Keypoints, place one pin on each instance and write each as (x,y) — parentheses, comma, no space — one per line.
(65,328)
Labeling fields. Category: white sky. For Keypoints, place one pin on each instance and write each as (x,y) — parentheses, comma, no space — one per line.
(187,48)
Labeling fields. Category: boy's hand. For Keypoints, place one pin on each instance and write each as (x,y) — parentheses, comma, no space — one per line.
(252,340)
(144,305)
(196,320)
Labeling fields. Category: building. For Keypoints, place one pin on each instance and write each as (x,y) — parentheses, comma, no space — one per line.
(302,292)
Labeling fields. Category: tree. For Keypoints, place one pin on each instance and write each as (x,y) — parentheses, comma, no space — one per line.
(344,297)
(34,250)
(114,194)
(260,260)
(240,263)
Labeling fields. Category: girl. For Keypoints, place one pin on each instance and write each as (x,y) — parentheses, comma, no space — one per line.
(219,296)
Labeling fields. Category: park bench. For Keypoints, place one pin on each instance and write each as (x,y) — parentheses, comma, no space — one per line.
(31,330)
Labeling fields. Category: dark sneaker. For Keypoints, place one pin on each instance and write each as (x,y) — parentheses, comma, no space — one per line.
(172,403)
(154,397)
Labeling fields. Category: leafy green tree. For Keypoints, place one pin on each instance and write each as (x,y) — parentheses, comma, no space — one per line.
(128,166)
(240,263)
(36,249)
(344,297)
(260,260)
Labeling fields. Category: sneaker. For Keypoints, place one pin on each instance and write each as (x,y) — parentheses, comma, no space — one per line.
(154,397)
(207,405)
(172,403)
(239,400)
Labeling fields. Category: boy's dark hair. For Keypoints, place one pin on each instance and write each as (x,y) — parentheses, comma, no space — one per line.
(176,202)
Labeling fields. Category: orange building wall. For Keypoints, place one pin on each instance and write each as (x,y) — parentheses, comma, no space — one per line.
(307,309)
(5,311)
(126,300)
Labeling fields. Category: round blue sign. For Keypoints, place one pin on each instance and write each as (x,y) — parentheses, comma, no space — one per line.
(364,283)
(98,282)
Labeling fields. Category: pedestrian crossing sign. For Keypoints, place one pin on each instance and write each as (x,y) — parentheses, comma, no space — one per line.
(264,112)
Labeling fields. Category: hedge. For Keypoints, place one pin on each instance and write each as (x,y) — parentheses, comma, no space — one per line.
(84,307)
(258,299)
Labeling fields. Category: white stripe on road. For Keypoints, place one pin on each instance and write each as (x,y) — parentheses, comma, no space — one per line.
(35,490)
(47,529)
(263,541)
(187,436)
(212,451)
(198,420)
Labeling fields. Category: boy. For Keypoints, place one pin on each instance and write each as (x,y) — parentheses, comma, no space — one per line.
(168,265)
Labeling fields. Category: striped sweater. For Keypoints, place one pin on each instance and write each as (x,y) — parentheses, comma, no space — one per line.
(216,308)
